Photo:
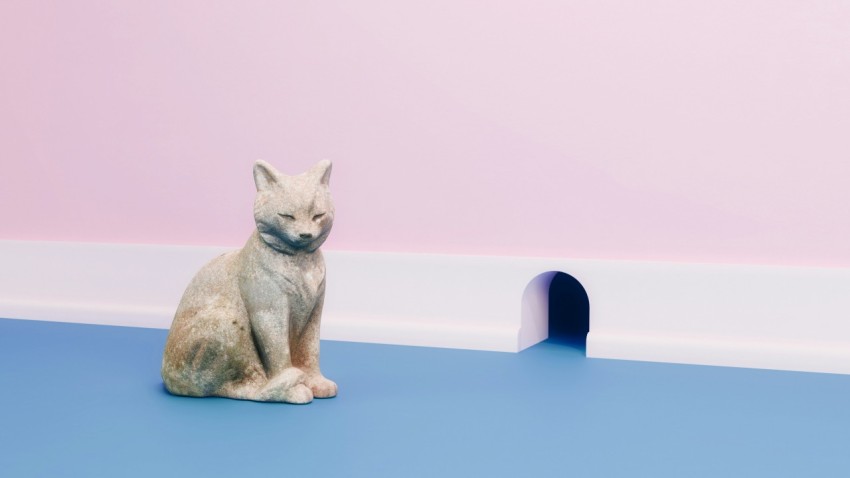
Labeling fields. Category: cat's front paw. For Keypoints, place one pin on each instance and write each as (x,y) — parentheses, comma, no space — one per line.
(321,387)
(287,387)
(298,394)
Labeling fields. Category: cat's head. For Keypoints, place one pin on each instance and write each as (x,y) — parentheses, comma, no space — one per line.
(293,213)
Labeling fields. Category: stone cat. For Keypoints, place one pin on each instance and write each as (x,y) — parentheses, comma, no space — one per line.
(247,326)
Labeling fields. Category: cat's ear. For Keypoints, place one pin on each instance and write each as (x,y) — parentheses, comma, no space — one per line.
(322,170)
(265,175)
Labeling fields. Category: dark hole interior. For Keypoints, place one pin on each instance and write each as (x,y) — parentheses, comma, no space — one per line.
(569,312)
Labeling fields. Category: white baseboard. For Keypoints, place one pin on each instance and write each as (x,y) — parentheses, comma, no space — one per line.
(786,318)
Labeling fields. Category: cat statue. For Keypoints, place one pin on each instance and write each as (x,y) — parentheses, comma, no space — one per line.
(247,326)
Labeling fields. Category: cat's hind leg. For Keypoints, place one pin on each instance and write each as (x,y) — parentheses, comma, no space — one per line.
(206,350)
(220,360)
(197,368)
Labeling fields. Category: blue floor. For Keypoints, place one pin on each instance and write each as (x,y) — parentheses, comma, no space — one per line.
(82,400)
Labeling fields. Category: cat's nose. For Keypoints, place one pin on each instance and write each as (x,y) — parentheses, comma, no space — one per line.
(305,235)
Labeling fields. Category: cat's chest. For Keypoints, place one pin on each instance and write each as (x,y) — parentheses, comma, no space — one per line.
(309,282)
(303,283)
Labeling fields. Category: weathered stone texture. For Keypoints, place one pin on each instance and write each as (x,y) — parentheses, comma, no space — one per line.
(247,326)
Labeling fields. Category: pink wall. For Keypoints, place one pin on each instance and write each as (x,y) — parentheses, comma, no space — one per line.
(674,130)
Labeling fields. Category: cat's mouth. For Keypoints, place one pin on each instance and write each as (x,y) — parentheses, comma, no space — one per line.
(301,241)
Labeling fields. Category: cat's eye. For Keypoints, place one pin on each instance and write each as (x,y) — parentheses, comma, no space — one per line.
(286,216)
(318,216)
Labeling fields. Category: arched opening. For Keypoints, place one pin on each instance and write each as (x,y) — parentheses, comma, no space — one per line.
(569,312)
(555,308)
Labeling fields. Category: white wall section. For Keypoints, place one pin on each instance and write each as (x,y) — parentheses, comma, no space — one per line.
(787,318)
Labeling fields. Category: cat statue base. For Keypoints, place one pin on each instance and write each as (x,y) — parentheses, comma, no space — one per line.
(247,326)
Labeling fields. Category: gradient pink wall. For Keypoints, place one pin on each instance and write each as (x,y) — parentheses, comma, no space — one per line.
(673,130)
